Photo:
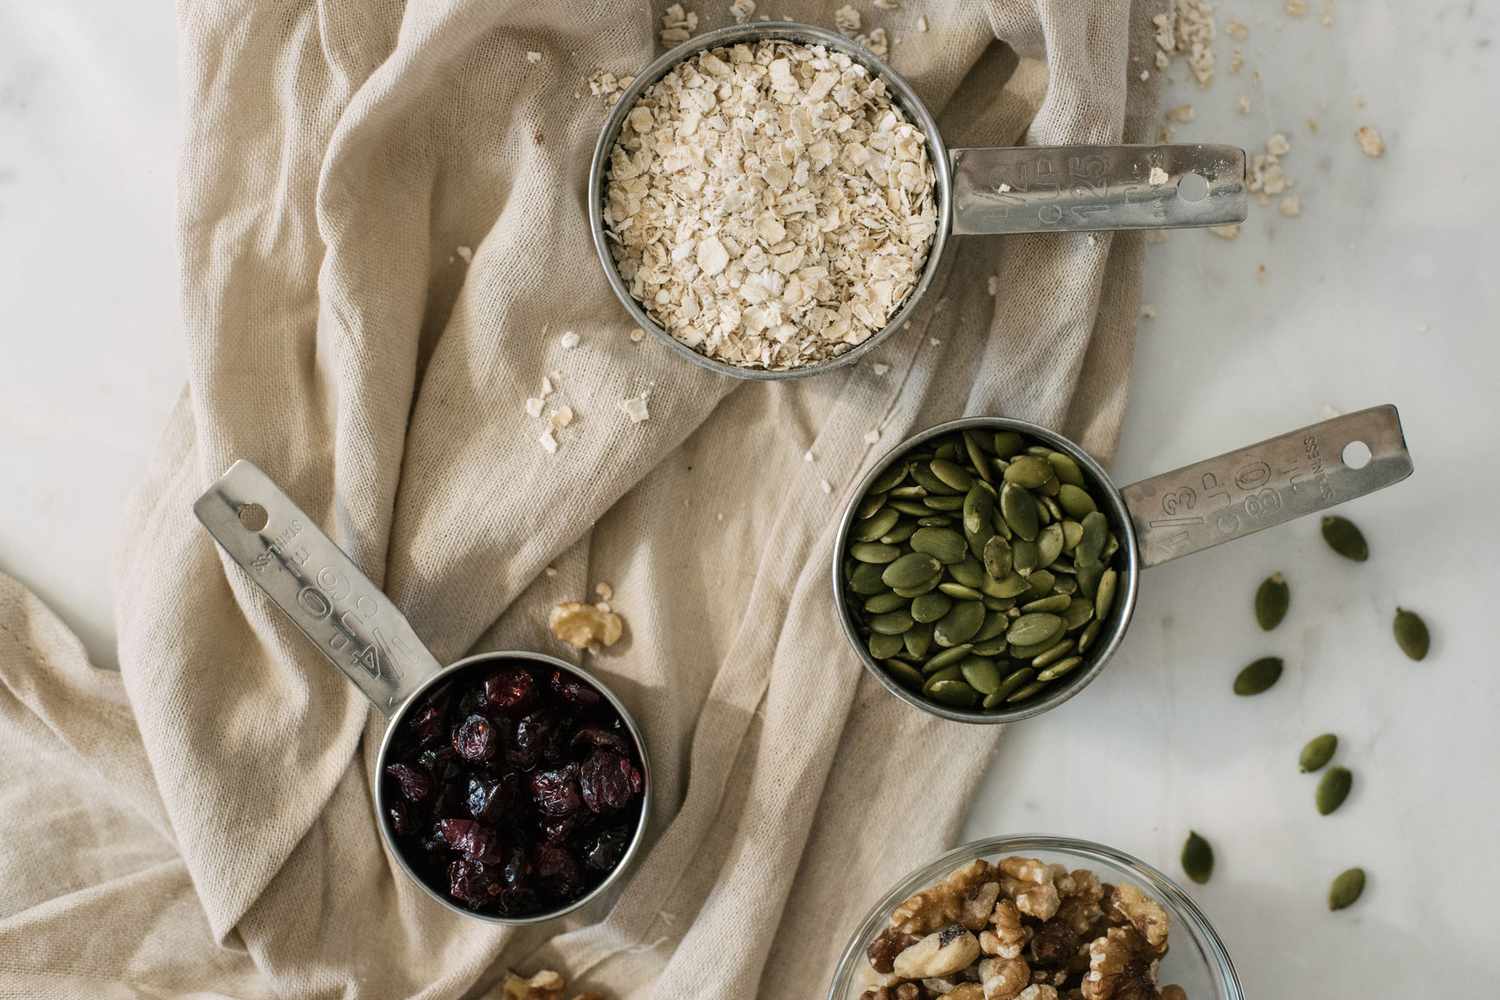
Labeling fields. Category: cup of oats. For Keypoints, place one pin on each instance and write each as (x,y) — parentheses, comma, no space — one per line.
(771,200)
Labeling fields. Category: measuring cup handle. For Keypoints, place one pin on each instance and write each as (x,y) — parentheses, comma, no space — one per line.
(311,579)
(1240,493)
(1070,189)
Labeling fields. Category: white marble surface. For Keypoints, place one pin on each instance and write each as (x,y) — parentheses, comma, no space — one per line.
(1382,291)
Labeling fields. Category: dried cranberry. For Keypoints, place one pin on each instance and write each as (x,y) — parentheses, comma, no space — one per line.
(475,739)
(489,799)
(608,781)
(555,792)
(415,785)
(558,870)
(517,868)
(574,691)
(603,851)
(399,813)
(559,828)
(600,738)
(516,901)
(473,883)
(536,736)
(475,842)
(426,726)
(510,691)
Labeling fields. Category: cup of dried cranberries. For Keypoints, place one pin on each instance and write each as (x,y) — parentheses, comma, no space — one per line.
(513,788)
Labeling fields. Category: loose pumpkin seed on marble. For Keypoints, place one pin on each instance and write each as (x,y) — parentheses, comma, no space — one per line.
(1333,789)
(1197,858)
(1259,676)
(1347,887)
(1272,598)
(1318,751)
(1345,538)
(1411,634)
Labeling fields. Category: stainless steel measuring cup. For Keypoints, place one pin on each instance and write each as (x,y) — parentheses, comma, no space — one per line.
(362,633)
(987,191)
(1174,514)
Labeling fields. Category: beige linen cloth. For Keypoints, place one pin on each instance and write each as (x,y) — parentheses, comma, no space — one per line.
(201,823)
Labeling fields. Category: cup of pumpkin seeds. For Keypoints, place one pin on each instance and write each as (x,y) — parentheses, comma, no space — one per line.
(986,569)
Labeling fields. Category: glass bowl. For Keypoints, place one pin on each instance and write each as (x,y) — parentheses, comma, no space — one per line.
(1197,960)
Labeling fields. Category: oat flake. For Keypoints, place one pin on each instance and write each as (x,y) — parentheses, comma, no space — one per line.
(467,253)
(534,407)
(569,340)
(636,409)
(1158,177)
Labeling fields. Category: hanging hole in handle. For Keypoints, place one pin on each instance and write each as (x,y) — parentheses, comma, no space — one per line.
(1192,187)
(1356,455)
(253,516)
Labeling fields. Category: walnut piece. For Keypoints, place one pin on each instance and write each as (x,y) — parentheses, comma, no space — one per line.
(585,625)
(1031,884)
(545,985)
(941,904)
(977,904)
(1009,936)
(1039,992)
(1121,967)
(938,954)
(1004,978)
(964,991)
(905,991)
(884,949)
(1144,914)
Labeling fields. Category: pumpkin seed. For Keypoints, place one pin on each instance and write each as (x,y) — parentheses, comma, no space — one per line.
(1025,556)
(1345,538)
(881,603)
(892,623)
(1054,604)
(953,475)
(1272,598)
(1049,544)
(1197,858)
(1076,501)
(997,558)
(948,673)
(1066,469)
(931,520)
(1039,584)
(924,476)
(910,570)
(876,526)
(1104,597)
(1051,486)
(1051,511)
(1028,630)
(918,640)
(883,646)
(960,592)
(1026,692)
(947,657)
(995,624)
(874,552)
(969,572)
(1013,682)
(1333,789)
(1319,751)
(1059,668)
(866,579)
(1050,656)
(1008,443)
(1072,535)
(960,624)
(1064,566)
(1064,584)
(1078,611)
(890,478)
(916,508)
(975,448)
(944,503)
(1088,579)
(1090,548)
(1013,585)
(1089,635)
(1028,471)
(924,587)
(900,533)
(943,544)
(981,674)
(930,607)
(1019,509)
(905,673)
(954,694)
(1411,634)
(947,449)
(979,510)
(1346,888)
(912,492)
(1258,676)
(991,647)
(1030,652)
(871,504)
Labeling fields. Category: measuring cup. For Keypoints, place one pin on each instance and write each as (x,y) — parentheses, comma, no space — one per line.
(360,631)
(986,191)
(1171,515)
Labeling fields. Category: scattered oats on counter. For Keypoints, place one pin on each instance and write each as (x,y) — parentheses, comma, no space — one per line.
(1182,113)
(1237,30)
(1236,60)
(677,25)
(1158,177)
(1370,142)
(534,407)
(922,23)
(533,57)
(743,10)
(1148,312)
(1296,8)
(604,591)
(548,442)
(1244,105)
(1266,176)
(879,368)
(1229,232)
(560,417)
(1290,206)
(605,84)
(585,626)
(876,41)
(467,253)
(769,205)
(637,335)
(1187,30)
(846,19)
(635,408)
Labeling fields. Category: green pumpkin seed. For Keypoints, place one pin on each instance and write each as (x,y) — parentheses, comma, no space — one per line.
(1013,585)
(918,640)
(1072,535)
(911,570)
(1029,652)
(900,533)
(1064,584)
(947,658)
(1050,510)
(875,527)
(948,449)
(1104,596)
(1258,676)
(1078,612)
(890,478)
(1026,692)
(969,573)
(944,504)
(1039,584)
(924,476)
(1013,682)
(1051,487)
(883,646)
(1050,544)
(930,607)
(1345,538)
(959,592)
(1089,576)
(991,647)
(870,505)
(1346,888)
(960,624)
(1272,598)
(943,544)
(1054,604)
(874,552)
(926,586)
(1319,751)
(881,603)
(1064,566)
(1086,639)
(1076,501)
(999,603)
(1066,469)
(954,694)
(865,579)
(1039,450)
(1025,556)
(912,492)
(981,674)
(916,508)
(975,449)
(1051,655)
(892,623)
(997,558)
(948,673)
(1333,789)
(932,520)
(1197,858)
(952,475)
(1411,634)
(1028,471)
(1029,630)
(1019,509)
(1008,443)
(905,673)
(979,510)
(995,624)
(1059,668)
(1095,535)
